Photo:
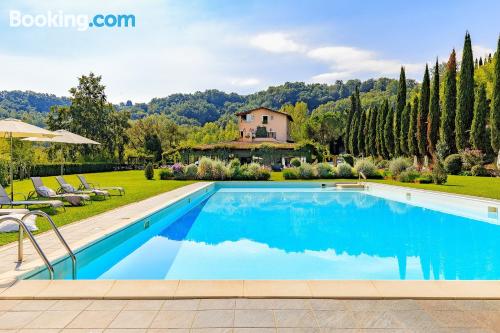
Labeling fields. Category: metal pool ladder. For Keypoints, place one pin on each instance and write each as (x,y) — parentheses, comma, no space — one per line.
(20,249)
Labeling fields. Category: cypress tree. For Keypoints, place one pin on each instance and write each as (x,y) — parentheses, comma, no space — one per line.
(372,132)
(388,127)
(356,119)
(405,127)
(412,129)
(478,130)
(423,111)
(447,121)
(400,106)
(434,113)
(465,103)
(380,132)
(366,132)
(352,111)
(495,104)
(480,61)
(361,132)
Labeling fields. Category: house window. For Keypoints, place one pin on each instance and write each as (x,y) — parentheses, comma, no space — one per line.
(265,119)
(248,118)
(241,134)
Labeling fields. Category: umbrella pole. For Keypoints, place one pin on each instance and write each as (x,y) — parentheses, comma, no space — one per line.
(63,160)
(11,169)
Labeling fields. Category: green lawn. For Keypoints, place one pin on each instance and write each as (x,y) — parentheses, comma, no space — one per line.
(487,187)
(135,184)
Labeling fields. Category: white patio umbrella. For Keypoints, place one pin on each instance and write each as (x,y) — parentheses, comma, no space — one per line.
(14,128)
(64,136)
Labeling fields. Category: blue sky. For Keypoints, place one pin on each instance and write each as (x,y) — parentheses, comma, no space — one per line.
(241,46)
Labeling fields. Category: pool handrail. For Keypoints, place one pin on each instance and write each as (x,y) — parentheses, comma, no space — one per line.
(58,234)
(22,226)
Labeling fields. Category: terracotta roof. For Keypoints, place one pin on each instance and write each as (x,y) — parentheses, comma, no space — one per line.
(268,109)
(245,145)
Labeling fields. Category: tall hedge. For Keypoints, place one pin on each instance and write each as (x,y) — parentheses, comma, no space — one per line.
(447,121)
(465,102)
(423,111)
(434,113)
(43,170)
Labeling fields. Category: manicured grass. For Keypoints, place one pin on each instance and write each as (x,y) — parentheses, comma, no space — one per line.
(487,187)
(135,184)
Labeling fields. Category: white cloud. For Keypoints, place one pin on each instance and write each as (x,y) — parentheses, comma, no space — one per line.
(344,62)
(481,51)
(276,42)
(244,82)
(349,62)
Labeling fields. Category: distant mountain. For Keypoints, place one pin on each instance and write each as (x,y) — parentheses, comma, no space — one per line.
(211,105)
(28,105)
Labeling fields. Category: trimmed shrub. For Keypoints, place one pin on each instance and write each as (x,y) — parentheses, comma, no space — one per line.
(178,171)
(408,176)
(219,170)
(398,165)
(191,171)
(425,178)
(366,166)
(295,162)
(205,169)
(439,175)
(43,170)
(254,171)
(149,171)
(166,173)
(453,164)
(325,170)
(471,157)
(291,173)
(479,171)
(348,158)
(5,173)
(306,171)
(234,163)
(344,170)
(383,164)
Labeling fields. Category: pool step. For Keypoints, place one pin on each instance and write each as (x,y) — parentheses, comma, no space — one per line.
(349,186)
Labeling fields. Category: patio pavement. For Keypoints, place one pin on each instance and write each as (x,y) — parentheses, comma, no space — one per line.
(249,315)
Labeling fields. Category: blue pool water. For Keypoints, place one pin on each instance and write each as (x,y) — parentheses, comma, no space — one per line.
(252,232)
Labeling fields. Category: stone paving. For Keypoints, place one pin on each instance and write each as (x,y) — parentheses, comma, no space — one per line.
(249,315)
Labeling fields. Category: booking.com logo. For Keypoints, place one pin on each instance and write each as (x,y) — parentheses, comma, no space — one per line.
(59,19)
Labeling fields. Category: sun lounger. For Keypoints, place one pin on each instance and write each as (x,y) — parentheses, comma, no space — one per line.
(11,226)
(42,191)
(68,188)
(89,186)
(6,201)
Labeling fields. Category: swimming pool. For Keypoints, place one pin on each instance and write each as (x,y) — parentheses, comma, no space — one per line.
(300,231)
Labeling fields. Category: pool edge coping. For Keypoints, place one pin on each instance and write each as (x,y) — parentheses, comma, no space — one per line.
(261,289)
